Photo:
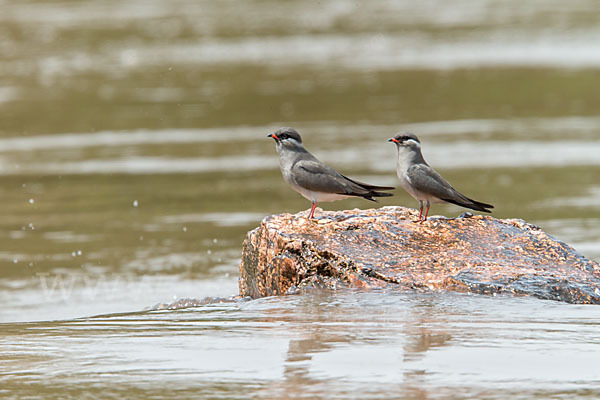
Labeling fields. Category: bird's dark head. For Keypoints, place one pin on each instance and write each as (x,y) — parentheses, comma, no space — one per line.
(287,137)
(406,139)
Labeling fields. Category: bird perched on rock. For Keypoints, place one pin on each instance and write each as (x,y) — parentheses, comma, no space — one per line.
(422,182)
(313,179)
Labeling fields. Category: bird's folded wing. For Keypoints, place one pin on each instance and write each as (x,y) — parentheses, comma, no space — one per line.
(426,180)
(318,177)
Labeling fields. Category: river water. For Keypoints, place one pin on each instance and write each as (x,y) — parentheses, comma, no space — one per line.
(134,158)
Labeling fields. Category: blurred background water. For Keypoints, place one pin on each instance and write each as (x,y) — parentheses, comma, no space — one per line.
(134,158)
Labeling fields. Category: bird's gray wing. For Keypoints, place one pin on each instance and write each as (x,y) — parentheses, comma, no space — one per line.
(316,176)
(426,180)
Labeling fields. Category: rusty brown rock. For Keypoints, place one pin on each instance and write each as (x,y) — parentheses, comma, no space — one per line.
(385,248)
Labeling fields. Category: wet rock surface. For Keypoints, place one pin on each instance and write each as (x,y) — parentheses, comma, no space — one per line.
(385,249)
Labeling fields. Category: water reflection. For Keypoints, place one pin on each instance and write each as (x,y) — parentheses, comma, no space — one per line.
(349,344)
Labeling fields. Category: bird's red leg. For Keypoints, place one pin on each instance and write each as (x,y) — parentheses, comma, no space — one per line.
(312,210)
(420,211)
(426,213)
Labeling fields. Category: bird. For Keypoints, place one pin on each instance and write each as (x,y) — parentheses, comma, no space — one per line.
(313,179)
(423,182)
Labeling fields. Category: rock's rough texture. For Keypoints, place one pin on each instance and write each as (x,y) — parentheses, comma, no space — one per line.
(385,248)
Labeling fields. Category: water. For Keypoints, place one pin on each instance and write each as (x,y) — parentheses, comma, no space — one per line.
(374,345)
(134,158)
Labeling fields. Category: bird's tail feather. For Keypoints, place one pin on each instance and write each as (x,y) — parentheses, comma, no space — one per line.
(368,186)
(470,203)
(371,196)
(381,194)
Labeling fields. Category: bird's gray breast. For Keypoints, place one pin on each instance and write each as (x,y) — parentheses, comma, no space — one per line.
(287,159)
(404,162)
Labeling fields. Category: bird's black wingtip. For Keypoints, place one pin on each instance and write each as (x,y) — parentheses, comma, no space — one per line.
(373,196)
(382,194)
(472,204)
(477,207)
(483,206)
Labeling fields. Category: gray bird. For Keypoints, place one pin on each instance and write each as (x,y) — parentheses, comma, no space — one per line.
(313,179)
(422,182)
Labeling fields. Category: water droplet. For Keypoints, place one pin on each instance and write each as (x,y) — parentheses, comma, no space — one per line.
(15,261)
(185,228)
(208,252)
(31,226)
(135,203)
(31,201)
(215,240)
(73,254)
(79,252)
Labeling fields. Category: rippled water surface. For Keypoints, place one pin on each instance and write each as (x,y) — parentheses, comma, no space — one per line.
(374,345)
(134,158)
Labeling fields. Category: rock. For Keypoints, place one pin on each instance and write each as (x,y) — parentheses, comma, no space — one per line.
(386,249)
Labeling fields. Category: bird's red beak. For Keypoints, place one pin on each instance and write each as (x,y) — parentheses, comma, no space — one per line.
(393,140)
(274,136)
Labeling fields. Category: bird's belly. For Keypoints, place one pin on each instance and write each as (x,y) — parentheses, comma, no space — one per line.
(405,183)
(329,196)
(318,196)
